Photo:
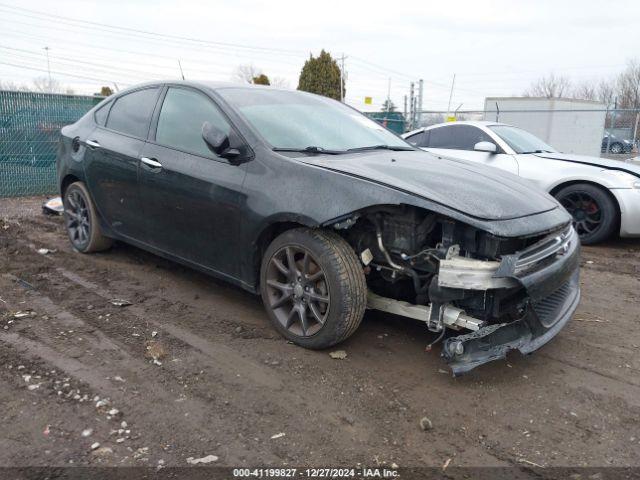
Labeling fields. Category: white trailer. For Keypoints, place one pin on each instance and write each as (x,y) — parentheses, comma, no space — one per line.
(569,125)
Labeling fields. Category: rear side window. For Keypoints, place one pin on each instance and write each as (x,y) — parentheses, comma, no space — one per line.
(101,114)
(457,137)
(416,139)
(131,113)
(181,117)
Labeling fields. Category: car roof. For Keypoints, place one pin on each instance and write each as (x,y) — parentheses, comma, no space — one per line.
(210,85)
(475,123)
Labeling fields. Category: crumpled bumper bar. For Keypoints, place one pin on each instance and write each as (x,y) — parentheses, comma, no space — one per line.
(553,288)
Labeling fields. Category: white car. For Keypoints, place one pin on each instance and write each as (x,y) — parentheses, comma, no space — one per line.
(602,195)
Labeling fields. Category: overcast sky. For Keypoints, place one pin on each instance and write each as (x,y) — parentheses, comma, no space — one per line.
(495,48)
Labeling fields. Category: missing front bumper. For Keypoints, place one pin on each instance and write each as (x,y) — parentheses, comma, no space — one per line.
(544,319)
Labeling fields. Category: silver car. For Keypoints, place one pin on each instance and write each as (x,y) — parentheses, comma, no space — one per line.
(603,196)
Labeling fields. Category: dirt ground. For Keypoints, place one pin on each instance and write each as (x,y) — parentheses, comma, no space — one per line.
(192,368)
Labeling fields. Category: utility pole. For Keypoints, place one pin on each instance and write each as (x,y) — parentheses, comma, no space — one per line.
(181,72)
(389,95)
(46,49)
(420,93)
(404,111)
(342,78)
(412,102)
(453,82)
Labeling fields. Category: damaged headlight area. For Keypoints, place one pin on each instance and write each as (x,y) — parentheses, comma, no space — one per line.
(484,295)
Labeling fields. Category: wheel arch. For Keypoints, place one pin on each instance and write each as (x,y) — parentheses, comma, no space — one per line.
(66,181)
(601,187)
(276,226)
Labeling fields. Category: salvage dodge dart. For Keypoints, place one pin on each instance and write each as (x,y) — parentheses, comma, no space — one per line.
(323,212)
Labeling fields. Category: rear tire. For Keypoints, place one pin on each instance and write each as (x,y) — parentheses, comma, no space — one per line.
(313,287)
(81,220)
(594,212)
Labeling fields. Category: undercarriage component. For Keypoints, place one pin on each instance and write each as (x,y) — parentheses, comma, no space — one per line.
(452,317)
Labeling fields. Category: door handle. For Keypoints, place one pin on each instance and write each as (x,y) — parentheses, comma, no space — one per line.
(151,162)
(92,144)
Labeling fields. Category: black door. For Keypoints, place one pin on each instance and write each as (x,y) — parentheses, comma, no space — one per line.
(112,159)
(191,198)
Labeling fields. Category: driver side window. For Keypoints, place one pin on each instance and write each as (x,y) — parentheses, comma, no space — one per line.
(181,118)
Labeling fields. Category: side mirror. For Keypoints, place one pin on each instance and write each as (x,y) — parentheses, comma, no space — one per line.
(488,147)
(218,142)
(216,139)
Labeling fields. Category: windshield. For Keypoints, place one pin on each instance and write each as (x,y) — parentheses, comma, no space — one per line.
(520,140)
(297,121)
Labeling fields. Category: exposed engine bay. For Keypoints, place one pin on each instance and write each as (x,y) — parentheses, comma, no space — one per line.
(454,277)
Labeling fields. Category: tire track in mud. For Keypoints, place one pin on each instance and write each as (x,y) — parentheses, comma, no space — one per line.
(188,412)
(327,422)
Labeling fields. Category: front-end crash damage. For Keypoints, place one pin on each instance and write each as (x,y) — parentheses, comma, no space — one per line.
(483,294)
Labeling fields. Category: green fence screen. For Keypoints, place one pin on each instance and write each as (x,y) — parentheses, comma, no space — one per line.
(394,121)
(30,123)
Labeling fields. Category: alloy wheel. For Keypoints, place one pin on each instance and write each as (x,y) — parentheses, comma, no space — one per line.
(298,292)
(587,214)
(616,148)
(77,218)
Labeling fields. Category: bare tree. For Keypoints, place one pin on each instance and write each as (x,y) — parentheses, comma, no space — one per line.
(280,82)
(47,85)
(246,73)
(551,86)
(13,86)
(606,92)
(586,90)
(628,86)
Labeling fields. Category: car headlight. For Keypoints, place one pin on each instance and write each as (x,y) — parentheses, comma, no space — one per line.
(628,180)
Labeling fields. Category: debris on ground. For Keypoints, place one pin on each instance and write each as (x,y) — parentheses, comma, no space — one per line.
(102,450)
(87,432)
(45,251)
(155,351)
(23,314)
(338,354)
(119,302)
(446,464)
(277,435)
(53,206)
(425,424)
(207,459)
(523,460)
(94,446)
(114,412)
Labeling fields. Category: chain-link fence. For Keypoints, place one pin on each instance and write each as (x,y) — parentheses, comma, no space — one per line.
(29,127)
(394,121)
(612,133)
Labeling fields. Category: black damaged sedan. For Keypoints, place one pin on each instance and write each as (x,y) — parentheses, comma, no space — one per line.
(324,213)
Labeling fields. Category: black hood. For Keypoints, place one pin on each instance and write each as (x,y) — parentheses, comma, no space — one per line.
(632,167)
(476,190)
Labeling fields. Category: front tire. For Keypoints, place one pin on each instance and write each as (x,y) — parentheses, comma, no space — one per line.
(313,287)
(594,213)
(81,220)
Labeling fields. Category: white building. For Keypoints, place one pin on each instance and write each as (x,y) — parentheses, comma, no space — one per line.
(569,125)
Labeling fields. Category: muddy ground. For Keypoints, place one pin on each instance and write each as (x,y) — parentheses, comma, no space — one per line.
(193,369)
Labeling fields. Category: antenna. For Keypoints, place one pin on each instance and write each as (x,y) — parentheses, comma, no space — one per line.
(181,72)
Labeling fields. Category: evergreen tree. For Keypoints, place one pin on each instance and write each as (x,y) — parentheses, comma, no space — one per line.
(321,75)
